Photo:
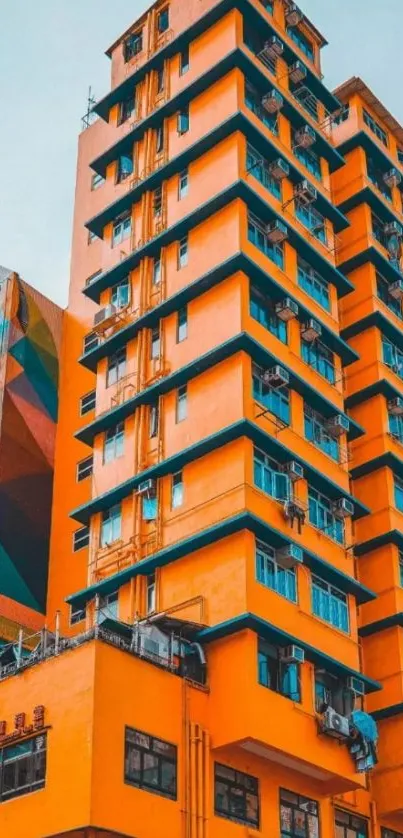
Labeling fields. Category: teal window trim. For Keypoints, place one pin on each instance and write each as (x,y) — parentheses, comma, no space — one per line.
(374,126)
(382,286)
(305,45)
(320,358)
(321,516)
(275,674)
(258,167)
(315,432)
(392,356)
(257,236)
(275,401)
(253,102)
(330,604)
(307,157)
(262,310)
(111,525)
(269,478)
(271,575)
(399,494)
(375,175)
(313,283)
(396,427)
(312,220)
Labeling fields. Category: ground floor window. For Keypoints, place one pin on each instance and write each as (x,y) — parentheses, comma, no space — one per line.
(236,795)
(299,816)
(150,763)
(23,767)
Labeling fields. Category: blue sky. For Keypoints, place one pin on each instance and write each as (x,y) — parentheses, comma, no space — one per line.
(51,51)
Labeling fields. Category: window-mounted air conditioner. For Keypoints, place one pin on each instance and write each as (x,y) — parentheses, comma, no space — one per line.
(294,470)
(104,314)
(392,178)
(276,377)
(289,556)
(297,72)
(356,685)
(279,169)
(292,654)
(395,406)
(343,508)
(338,425)
(305,137)
(395,289)
(273,48)
(147,487)
(276,232)
(335,725)
(293,14)
(311,330)
(272,101)
(305,192)
(287,309)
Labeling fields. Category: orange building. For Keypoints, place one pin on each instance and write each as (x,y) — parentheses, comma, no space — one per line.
(224,581)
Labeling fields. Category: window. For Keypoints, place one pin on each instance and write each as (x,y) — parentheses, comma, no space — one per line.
(306,98)
(154,421)
(401,569)
(320,358)
(375,127)
(120,294)
(157,270)
(133,45)
(399,494)
(275,400)
(109,605)
(396,427)
(150,763)
(258,167)
(313,283)
(150,593)
(316,432)
(159,143)
(97,181)
(122,229)
(262,309)
(184,61)
(183,121)
(257,235)
(23,767)
(375,175)
(312,220)
(382,290)
(299,816)
(127,108)
(321,515)
(87,403)
(331,691)
(84,469)
(392,356)
(116,367)
(90,342)
(378,230)
(157,202)
(92,278)
(91,236)
(177,490)
(236,795)
(183,253)
(182,403)
(304,44)
(149,507)
(270,574)
(81,539)
(400,155)
(275,674)
(307,157)
(77,615)
(253,103)
(160,80)
(111,525)
(182,325)
(114,442)
(124,170)
(183,184)
(330,604)
(390,833)
(269,478)
(155,343)
(163,20)
(349,826)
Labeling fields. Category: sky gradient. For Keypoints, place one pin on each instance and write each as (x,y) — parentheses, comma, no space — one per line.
(51,51)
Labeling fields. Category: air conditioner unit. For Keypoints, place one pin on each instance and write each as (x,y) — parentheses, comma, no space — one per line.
(305,192)
(305,137)
(293,14)
(294,470)
(289,556)
(272,101)
(338,425)
(276,377)
(333,724)
(393,228)
(395,289)
(273,47)
(395,406)
(287,309)
(343,508)
(147,487)
(276,232)
(311,330)
(356,685)
(297,72)
(279,169)
(392,177)
(292,654)
(104,314)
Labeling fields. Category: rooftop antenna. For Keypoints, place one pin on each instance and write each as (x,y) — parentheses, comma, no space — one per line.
(89,117)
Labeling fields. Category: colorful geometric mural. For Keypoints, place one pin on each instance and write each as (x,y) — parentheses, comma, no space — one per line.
(30,334)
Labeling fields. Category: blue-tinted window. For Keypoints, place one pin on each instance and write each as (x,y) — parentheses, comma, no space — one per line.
(253,102)
(396,426)
(269,573)
(262,310)
(375,175)
(321,515)
(258,167)
(315,432)
(313,283)
(392,356)
(275,674)
(375,128)
(304,44)
(382,290)
(312,220)
(320,358)
(275,400)
(257,235)
(399,494)
(269,478)
(307,157)
(330,604)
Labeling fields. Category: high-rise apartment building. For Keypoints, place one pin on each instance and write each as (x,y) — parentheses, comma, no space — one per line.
(222,654)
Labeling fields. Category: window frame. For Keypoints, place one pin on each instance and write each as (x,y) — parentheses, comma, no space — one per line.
(114,521)
(328,598)
(181,404)
(182,324)
(85,531)
(297,806)
(285,580)
(184,66)
(177,490)
(183,252)
(84,469)
(116,366)
(28,755)
(113,443)
(183,184)
(143,750)
(244,785)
